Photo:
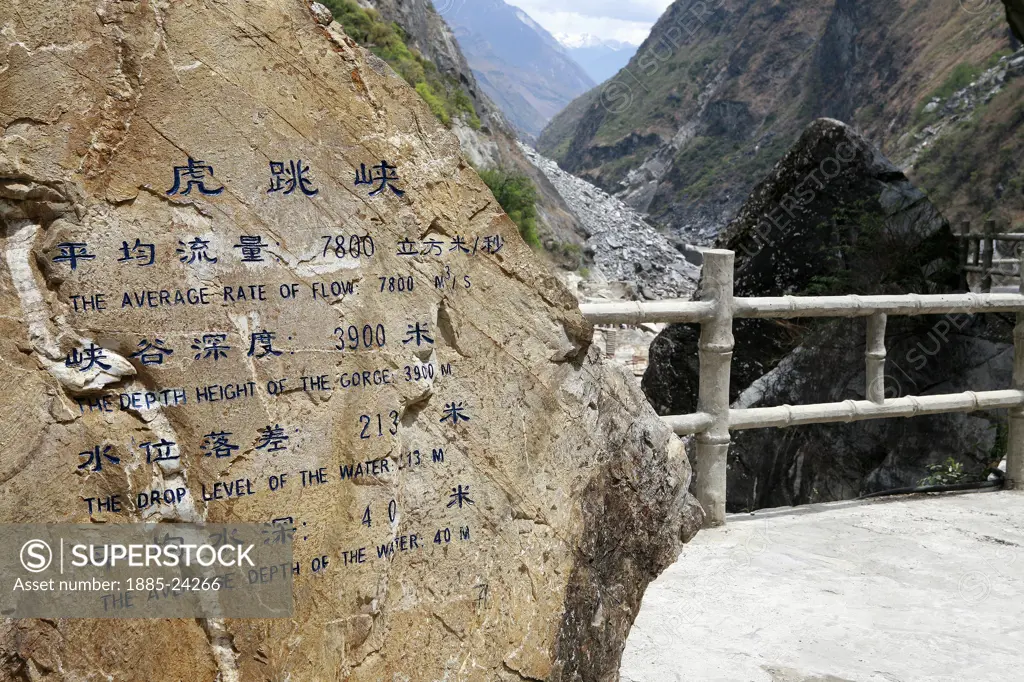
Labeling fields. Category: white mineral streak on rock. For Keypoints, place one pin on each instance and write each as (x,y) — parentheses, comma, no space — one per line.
(21,237)
(757,390)
(223,648)
(169,473)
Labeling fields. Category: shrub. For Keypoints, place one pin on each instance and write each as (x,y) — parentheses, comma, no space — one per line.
(443,95)
(518,197)
(434,102)
(947,473)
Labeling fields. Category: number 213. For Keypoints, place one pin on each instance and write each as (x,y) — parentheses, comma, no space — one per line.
(367,421)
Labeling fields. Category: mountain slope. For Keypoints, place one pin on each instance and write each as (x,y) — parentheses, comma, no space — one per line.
(518,63)
(488,142)
(721,89)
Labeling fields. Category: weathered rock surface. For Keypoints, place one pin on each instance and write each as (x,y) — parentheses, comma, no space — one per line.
(563,494)
(835,217)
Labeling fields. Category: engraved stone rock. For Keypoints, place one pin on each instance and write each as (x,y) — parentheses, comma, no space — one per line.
(243,262)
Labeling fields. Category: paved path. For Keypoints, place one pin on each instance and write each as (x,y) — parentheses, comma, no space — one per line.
(899,590)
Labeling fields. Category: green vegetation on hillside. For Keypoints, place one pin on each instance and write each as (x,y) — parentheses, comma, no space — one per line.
(960,77)
(518,198)
(727,101)
(974,171)
(443,95)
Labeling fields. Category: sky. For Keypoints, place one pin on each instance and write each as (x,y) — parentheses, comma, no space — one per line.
(627,20)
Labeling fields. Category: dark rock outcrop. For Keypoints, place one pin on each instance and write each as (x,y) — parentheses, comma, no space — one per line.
(1015,17)
(836,217)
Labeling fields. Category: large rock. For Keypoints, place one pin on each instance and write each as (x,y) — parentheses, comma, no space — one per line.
(835,217)
(550,509)
(1015,17)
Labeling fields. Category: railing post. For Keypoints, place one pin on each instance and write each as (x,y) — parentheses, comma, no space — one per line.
(611,342)
(974,247)
(1015,438)
(875,354)
(963,253)
(988,251)
(716,345)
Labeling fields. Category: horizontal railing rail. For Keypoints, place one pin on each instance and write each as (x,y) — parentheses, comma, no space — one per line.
(715,419)
(978,254)
(682,310)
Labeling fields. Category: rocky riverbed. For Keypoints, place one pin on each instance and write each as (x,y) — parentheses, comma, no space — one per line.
(624,247)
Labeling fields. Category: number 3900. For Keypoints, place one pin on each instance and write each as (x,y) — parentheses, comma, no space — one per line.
(354,337)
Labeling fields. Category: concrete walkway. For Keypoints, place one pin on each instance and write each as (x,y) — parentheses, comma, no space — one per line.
(898,590)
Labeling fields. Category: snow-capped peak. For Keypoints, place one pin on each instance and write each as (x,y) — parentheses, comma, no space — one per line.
(581,40)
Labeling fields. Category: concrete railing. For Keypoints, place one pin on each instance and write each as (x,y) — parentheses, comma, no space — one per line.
(978,254)
(715,310)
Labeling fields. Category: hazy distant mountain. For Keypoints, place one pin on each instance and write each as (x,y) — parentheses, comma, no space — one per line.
(517,63)
(601,58)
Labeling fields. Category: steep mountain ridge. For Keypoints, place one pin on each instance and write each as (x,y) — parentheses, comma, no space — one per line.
(517,62)
(492,143)
(720,90)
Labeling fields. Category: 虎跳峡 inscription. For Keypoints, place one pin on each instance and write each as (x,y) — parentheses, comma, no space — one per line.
(248,278)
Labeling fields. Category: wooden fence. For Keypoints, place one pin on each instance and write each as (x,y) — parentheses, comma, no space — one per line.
(715,310)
